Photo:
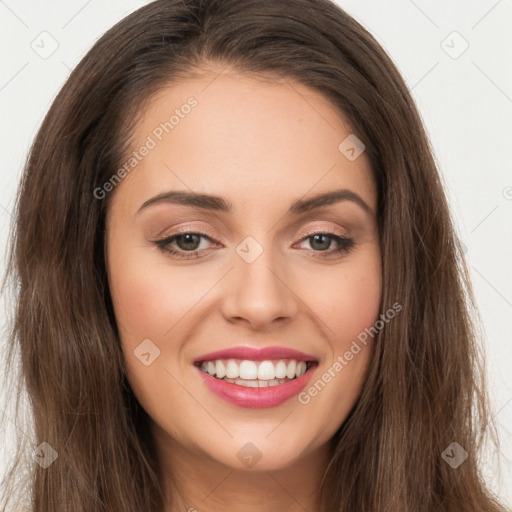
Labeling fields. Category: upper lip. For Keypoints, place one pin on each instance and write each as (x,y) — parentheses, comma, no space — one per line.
(256,354)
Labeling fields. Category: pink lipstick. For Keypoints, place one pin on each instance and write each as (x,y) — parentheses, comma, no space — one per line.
(256,378)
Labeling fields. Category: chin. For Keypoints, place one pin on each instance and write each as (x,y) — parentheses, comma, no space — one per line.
(260,454)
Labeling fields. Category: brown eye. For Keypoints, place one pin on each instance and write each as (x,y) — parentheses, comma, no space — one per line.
(190,241)
(187,244)
(322,242)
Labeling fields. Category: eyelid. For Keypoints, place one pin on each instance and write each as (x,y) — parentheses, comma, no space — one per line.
(212,234)
(324,230)
(202,230)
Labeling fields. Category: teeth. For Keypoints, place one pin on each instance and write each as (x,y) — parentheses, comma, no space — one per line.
(301,368)
(257,383)
(262,373)
(248,370)
(266,371)
(291,369)
(232,370)
(281,370)
(220,369)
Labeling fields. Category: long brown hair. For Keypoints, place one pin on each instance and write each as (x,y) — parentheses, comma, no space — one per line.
(426,384)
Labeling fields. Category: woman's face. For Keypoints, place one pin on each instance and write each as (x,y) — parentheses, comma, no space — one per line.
(235,162)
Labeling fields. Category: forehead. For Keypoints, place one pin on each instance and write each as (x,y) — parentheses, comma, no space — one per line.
(243,137)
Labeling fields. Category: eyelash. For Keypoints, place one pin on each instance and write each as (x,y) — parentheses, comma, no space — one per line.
(346,244)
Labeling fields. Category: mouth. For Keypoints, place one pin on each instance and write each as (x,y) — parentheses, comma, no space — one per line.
(256,374)
(257,382)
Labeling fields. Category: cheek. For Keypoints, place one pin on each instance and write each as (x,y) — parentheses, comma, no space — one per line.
(350,302)
(155,301)
(151,303)
(349,305)
(359,302)
(149,300)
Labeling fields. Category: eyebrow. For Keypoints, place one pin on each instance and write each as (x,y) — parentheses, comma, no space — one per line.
(219,204)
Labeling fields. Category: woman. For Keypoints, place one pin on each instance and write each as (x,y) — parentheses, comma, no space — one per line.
(239,283)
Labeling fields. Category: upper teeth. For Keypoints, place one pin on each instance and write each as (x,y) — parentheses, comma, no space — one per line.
(262,370)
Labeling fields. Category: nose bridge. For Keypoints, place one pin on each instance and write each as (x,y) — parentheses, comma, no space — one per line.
(257,290)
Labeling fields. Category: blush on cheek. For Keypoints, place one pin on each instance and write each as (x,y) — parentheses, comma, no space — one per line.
(355,308)
(140,294)
(137,309)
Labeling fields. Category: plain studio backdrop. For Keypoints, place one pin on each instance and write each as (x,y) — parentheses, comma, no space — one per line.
(454,56)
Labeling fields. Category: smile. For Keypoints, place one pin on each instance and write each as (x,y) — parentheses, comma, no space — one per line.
(251,377)
(255,374)
(254,392)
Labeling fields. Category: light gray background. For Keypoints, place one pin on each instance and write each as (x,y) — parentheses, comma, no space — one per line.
(464,98)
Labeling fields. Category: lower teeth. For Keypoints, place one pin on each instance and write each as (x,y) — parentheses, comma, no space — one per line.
(256,383)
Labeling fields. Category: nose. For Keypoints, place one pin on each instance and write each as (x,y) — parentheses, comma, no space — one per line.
(259,293)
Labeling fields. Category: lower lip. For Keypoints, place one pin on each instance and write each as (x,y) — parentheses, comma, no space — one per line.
(242,396)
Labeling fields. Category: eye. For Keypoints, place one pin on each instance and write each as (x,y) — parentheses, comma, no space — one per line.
(187,245)
(322,241)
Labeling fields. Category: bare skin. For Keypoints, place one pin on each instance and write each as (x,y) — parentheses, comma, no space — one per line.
(261,146)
